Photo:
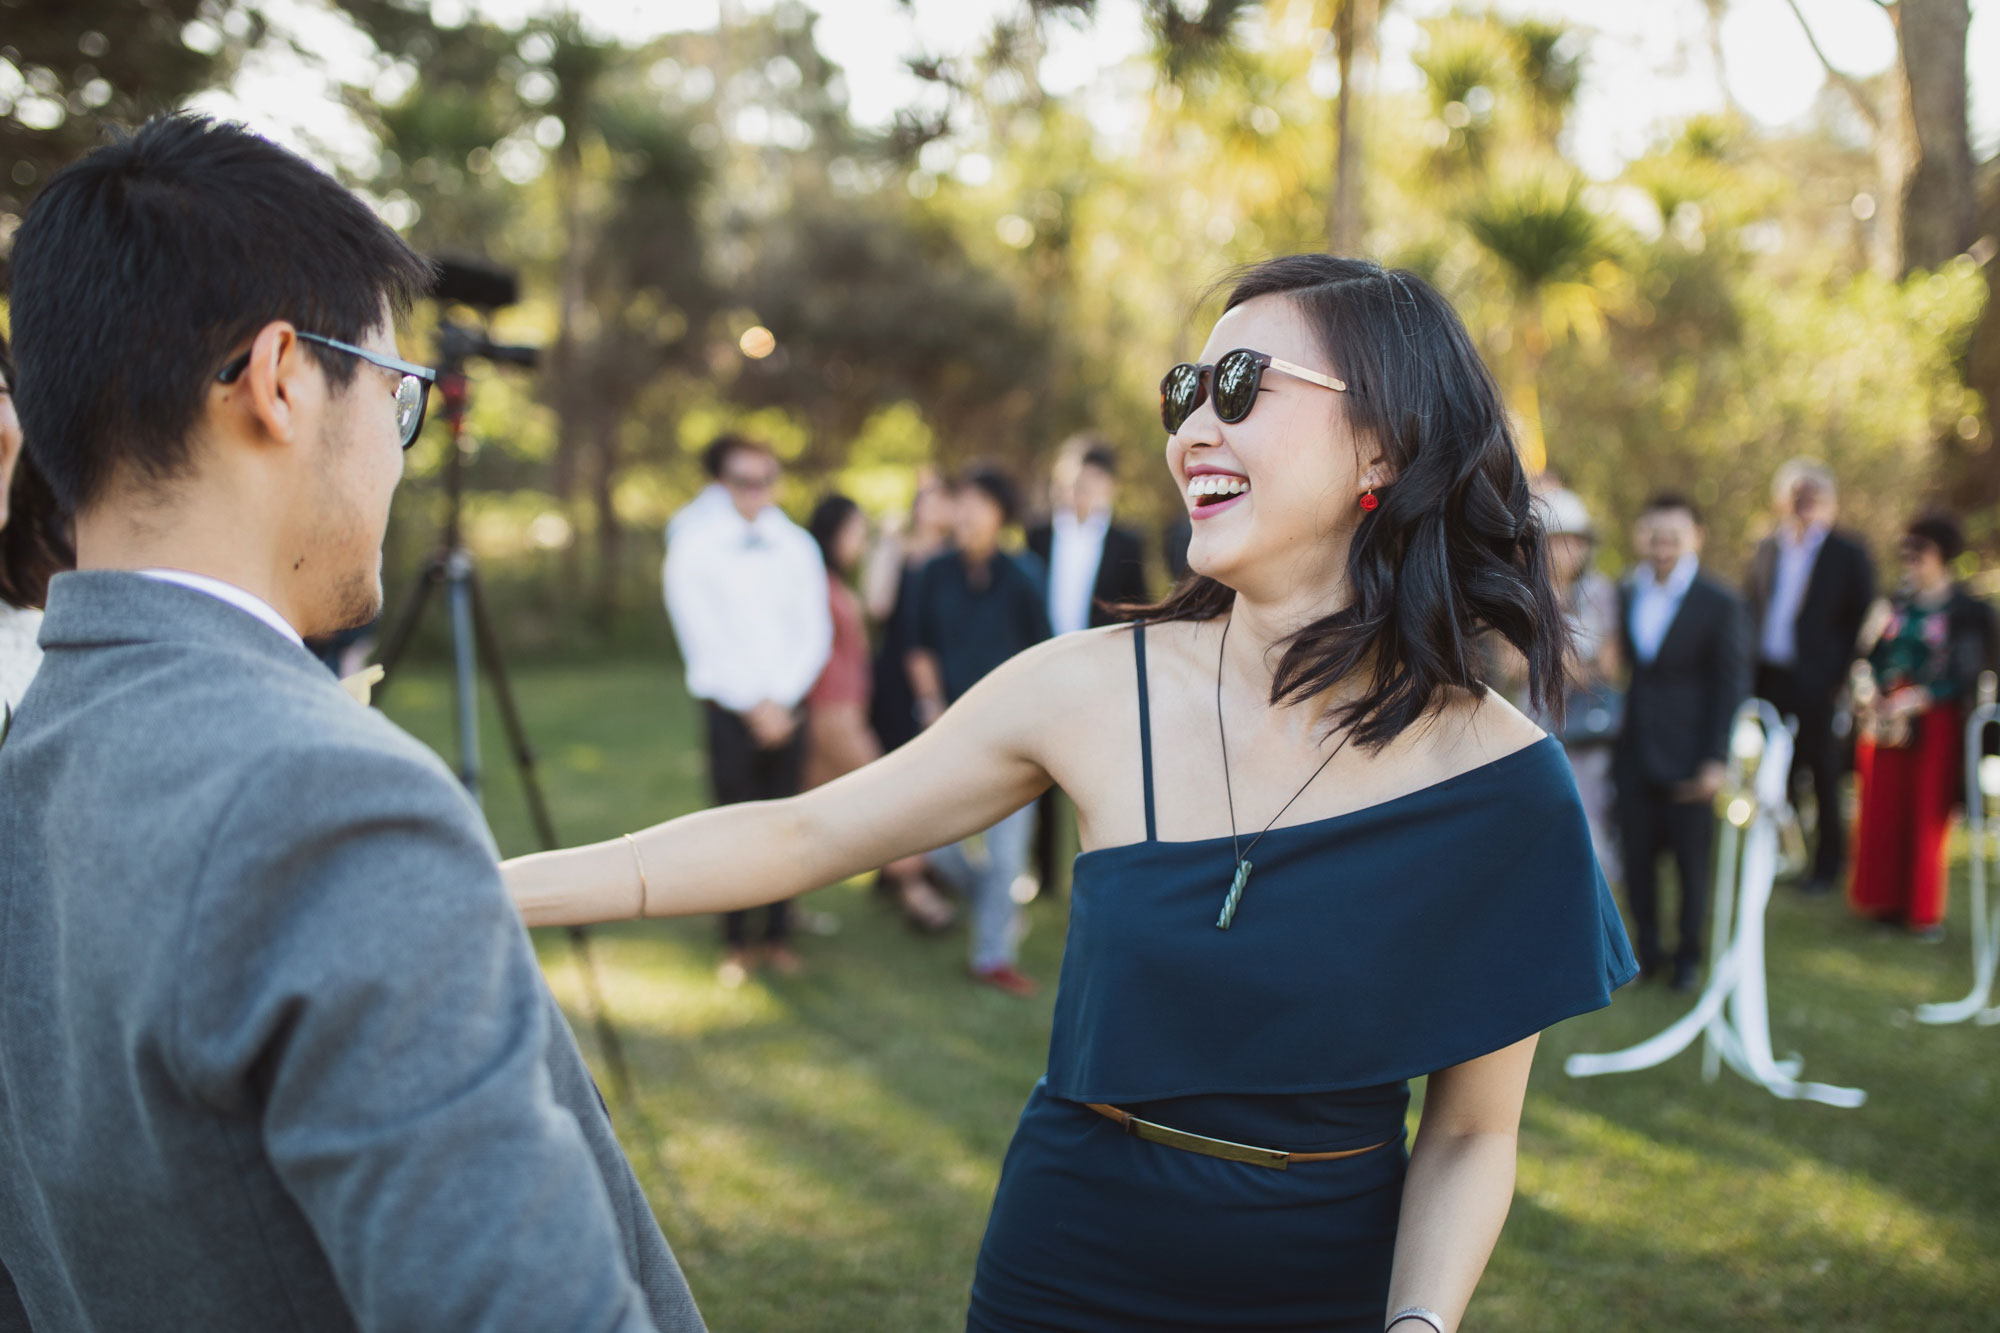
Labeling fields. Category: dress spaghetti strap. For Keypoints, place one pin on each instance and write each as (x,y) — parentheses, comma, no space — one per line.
(1145,728)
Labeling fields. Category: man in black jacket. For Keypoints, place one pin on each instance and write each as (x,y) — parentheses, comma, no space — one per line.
(1092,563)
(1687,639)
(1809,588)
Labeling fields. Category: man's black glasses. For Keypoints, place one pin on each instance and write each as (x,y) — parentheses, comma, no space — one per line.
(412,391)
(1235,380)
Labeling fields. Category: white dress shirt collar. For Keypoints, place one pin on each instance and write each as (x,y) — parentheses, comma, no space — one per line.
(1099,521)
(1808,540)
(246,602)
(1656,603)
(712,501)
(1677,582)
(1791,575)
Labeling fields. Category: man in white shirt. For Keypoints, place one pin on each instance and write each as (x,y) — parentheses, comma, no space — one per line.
(1687,640)
(746,591)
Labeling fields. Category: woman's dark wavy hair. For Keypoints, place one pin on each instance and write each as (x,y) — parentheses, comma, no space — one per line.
(35,544)
(1455,548)
(829,516)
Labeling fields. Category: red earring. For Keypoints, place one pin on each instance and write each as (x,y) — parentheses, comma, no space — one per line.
(1368,501)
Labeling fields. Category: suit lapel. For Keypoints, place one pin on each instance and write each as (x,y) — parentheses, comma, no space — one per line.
(1107,556)
(1683,624)
(1818,577)
(1042,541)
(1764,571)
(1626,596)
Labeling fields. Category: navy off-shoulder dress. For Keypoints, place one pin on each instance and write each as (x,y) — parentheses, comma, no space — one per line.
(1370,948)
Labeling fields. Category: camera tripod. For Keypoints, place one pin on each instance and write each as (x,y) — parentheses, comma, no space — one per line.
(475,645)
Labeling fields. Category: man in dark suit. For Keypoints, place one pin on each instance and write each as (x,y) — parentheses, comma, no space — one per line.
(1809,589)
(1687,639)
(1092,563)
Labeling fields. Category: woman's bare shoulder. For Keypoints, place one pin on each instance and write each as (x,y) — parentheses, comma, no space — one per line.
(1068,666)
(1074,677)
(1471,729)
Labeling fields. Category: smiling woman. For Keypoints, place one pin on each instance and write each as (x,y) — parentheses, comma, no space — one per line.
(1448,548)
(1219,1141)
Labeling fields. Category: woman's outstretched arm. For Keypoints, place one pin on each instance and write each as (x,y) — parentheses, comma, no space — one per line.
(981,761)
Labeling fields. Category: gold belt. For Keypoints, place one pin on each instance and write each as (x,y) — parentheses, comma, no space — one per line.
(1274,1158)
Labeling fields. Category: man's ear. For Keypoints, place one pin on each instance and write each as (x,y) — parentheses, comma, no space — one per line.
(281,377)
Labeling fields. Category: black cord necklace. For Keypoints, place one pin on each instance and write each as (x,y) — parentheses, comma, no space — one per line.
(1243,867)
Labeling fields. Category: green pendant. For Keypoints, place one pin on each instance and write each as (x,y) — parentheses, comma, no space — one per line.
(1235,896)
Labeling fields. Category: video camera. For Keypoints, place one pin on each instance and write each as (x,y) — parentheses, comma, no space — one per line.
(485,287)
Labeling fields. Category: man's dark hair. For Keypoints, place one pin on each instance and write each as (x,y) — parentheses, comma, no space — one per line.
(1102,457)
(142,268)
(1937,528)
(716,456)
(996,486)
(1662,502)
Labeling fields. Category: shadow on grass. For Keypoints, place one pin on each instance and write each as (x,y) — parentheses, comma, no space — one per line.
(1716,1200)
(828,1144)
(1668,1268)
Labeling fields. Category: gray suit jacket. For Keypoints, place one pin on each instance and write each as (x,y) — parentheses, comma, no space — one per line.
(274,1049)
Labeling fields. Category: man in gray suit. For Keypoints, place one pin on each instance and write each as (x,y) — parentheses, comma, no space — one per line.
(274,1050)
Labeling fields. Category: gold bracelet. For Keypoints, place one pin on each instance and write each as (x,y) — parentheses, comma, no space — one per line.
(639,863)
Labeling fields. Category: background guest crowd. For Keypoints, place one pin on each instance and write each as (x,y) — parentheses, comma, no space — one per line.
(814,651)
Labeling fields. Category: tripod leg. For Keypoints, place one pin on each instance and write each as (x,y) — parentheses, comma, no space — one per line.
(510,715)
(406,623)
(538,812)
(465,668)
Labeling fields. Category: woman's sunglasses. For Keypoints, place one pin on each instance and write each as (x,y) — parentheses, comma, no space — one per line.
(412,391)
(1234,381)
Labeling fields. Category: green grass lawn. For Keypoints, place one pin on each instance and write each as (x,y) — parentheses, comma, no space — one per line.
(821,1150)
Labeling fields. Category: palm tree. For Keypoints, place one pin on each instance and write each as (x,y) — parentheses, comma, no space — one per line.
(1465,64)
(1195,35)
(1353,23)
(1550,72)
(1555,253)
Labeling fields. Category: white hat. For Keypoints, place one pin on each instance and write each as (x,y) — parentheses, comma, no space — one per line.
(1563,513)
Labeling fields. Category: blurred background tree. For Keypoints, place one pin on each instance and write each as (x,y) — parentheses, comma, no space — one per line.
(707,238)
(69,66)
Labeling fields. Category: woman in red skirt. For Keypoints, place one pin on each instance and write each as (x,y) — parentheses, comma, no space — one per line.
(1932,640)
